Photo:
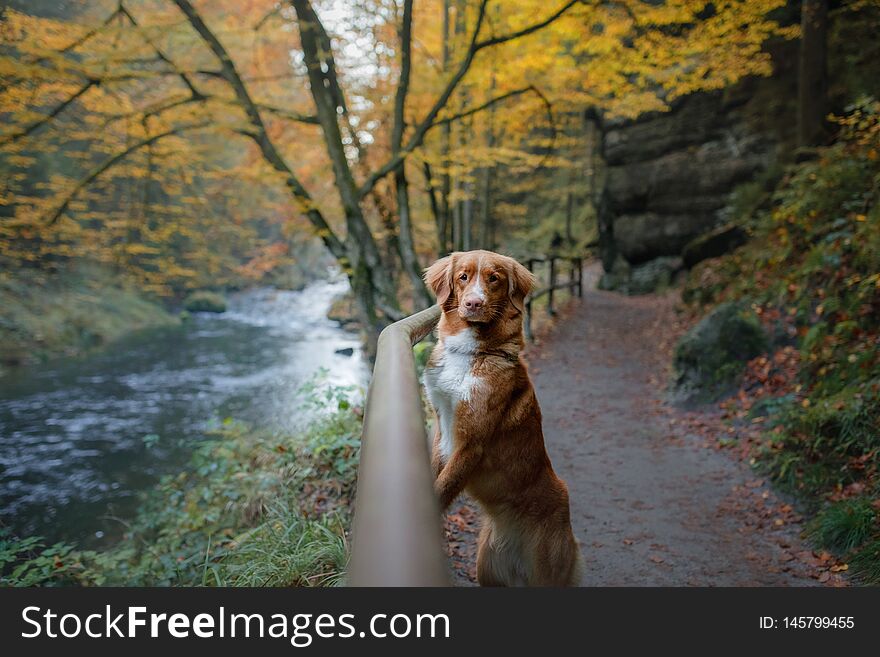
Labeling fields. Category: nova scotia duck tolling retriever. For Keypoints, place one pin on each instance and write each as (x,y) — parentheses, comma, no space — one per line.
(488,439)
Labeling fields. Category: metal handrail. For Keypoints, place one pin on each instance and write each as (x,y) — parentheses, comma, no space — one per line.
(575,280)
(396,537)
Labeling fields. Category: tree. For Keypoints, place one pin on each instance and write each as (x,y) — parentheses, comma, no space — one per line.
(813,73)
(148,89)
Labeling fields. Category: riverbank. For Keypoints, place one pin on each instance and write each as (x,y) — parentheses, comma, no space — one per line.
(83,436)
(68,314)
(253,508)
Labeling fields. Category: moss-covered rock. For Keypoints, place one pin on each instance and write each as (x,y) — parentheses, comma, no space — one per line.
(343,310)
(713,244)
(205,302)
(709,359)
(617,277)
(654,276)
(646,278)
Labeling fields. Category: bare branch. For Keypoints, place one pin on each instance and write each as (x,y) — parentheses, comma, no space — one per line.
(27,130)
(259,134)
(111,161)
(78,42)
(272,78)
(405,69)
(272,13)
(548,106)
(489,103)
(530,29)
(475,46)
(153,110)
(183,76)
(290,115)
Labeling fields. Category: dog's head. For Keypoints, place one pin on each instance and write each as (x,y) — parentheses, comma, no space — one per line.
(481,285)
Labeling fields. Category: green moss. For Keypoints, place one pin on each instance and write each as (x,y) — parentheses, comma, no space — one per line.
(69,313)
(204,301)
(711,356)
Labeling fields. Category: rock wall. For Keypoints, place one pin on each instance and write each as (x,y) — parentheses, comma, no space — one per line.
(669,175)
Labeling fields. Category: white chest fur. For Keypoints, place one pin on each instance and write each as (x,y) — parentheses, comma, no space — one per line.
(450,381)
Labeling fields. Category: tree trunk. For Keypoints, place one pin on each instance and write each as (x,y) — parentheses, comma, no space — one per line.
(358,254)
(443,226)
(467,218)
(486,234)
(484,239)
(439,221)
(406,241)
(373,286)
(813,73)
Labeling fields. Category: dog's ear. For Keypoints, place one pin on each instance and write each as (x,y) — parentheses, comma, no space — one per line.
(438,277)
(520,283)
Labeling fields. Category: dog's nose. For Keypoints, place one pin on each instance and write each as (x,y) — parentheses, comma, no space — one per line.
(473,303)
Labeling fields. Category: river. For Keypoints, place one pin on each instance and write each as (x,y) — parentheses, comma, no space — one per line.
(81,438)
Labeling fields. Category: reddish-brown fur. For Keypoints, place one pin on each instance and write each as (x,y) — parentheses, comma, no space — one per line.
(497,449)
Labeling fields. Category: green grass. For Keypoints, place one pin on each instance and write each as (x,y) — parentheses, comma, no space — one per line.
(844,525)
(865,562)
(285,549)
(829,444)
(42,316)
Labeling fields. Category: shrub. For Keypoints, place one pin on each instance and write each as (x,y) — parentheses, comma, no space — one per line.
(865,562)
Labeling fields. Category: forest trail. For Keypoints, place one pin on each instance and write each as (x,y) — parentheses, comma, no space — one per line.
(652,503)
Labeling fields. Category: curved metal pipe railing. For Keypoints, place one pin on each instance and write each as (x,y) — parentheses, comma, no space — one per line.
(397,537)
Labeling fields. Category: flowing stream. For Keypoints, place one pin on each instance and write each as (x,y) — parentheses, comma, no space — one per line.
(81,438)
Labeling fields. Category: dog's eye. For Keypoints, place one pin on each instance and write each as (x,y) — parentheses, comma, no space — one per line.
(493,278)
(463,277)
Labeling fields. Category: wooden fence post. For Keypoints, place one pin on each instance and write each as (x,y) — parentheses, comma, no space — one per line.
(580,266)
(528,317)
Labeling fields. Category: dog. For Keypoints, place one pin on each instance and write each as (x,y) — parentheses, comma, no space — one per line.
(488,439)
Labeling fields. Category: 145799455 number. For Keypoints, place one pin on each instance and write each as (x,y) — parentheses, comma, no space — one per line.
(819,622)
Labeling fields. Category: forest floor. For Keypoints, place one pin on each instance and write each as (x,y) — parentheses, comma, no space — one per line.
(656,498)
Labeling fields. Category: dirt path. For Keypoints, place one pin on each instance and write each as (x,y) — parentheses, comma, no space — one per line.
(652,504)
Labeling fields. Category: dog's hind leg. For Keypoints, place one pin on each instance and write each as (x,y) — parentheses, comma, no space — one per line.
(499,562)
(488,559)
(557,562)
(496,563)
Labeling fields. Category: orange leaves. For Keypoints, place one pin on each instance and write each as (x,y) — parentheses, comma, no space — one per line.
(264,260)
